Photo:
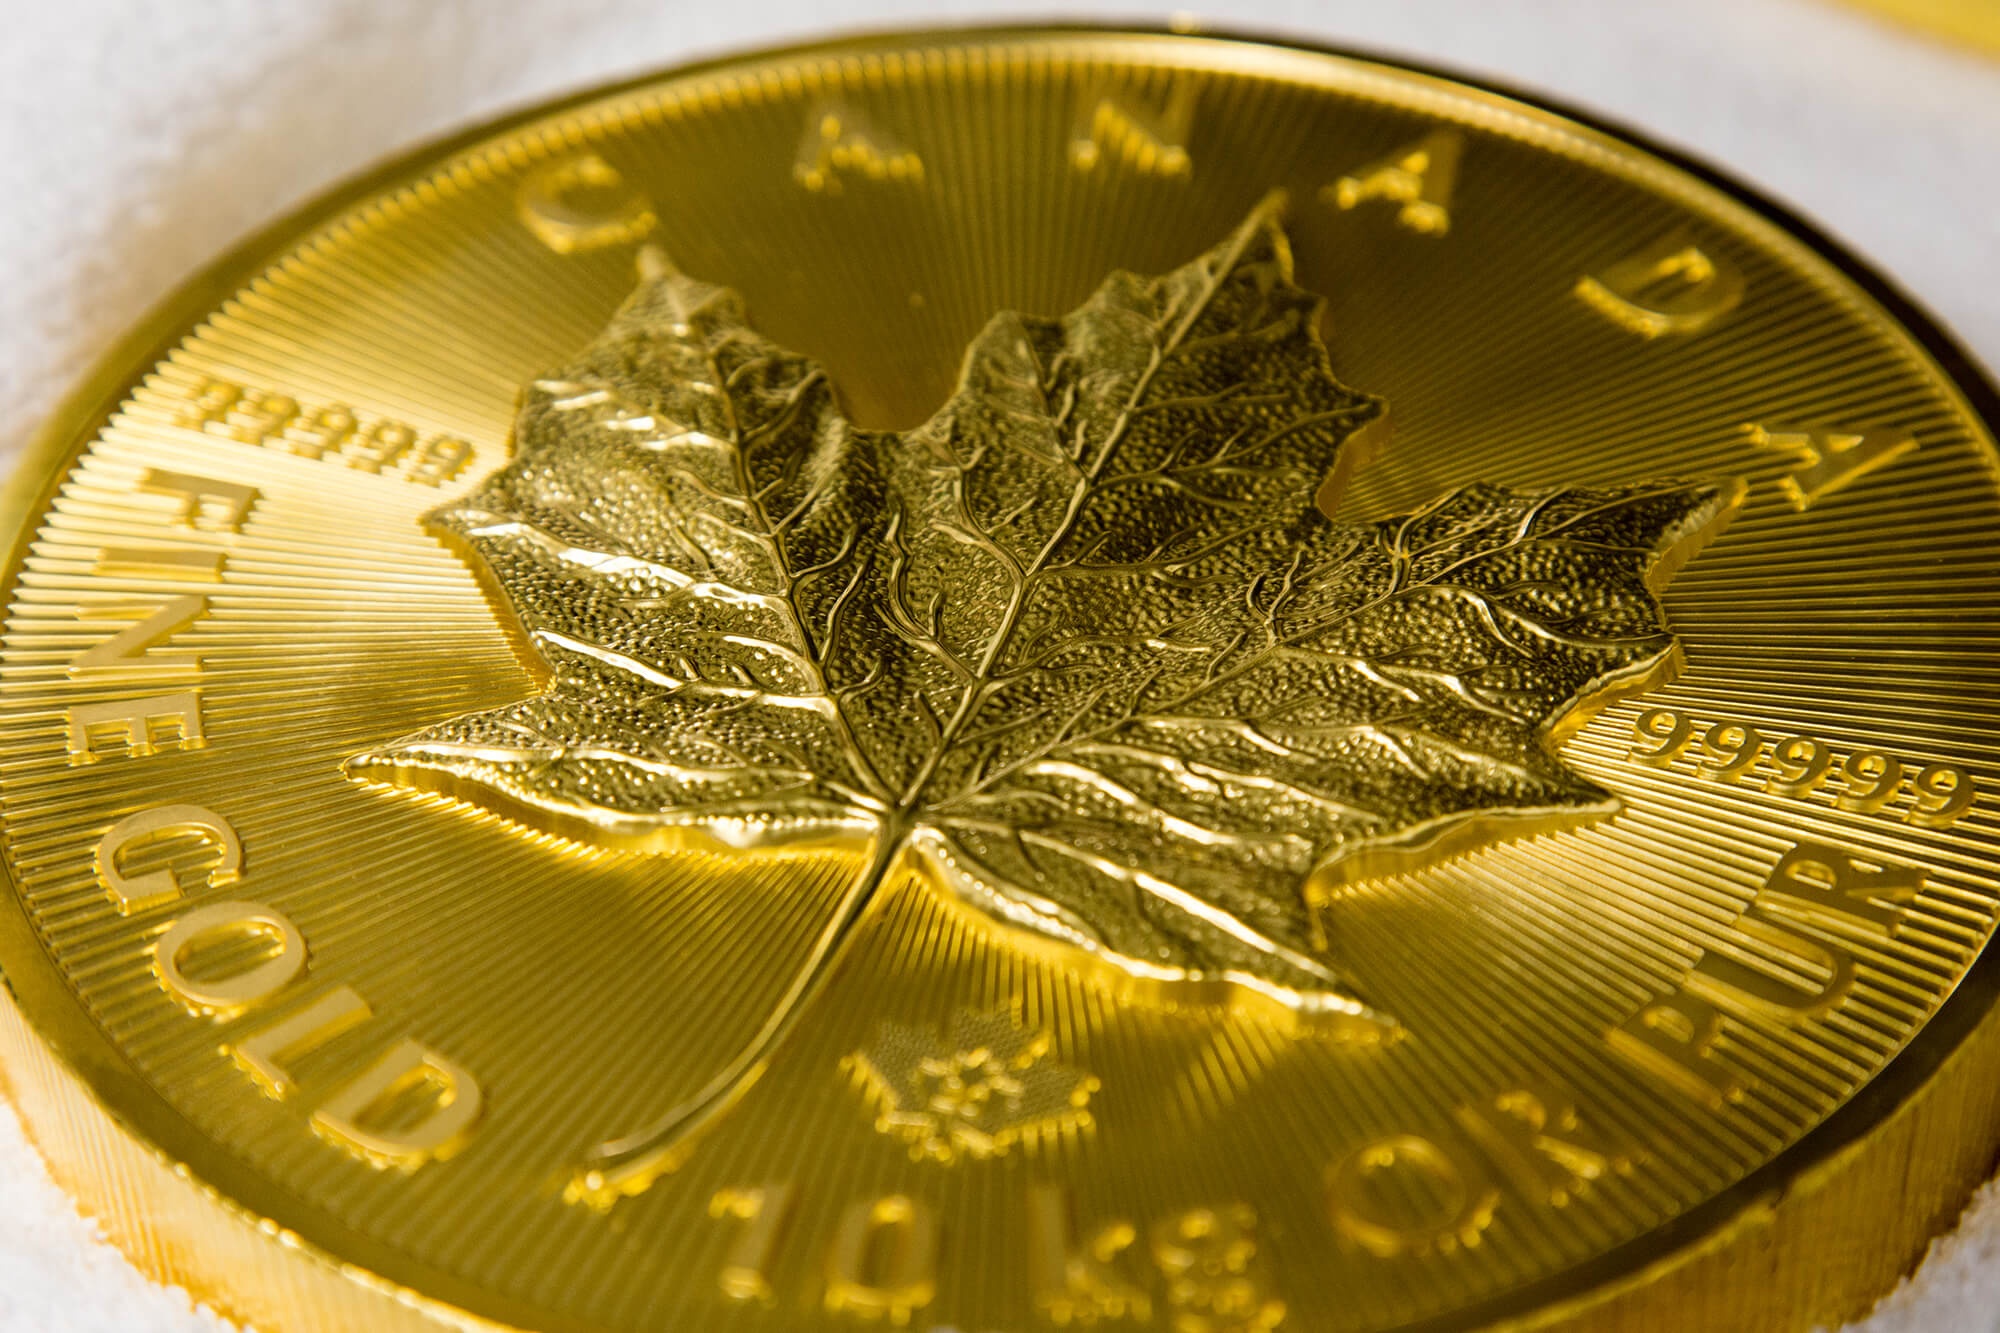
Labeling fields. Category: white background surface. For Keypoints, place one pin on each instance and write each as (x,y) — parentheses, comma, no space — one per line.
(138,138)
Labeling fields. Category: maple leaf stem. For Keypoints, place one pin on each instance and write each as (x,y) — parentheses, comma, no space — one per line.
(627,1165)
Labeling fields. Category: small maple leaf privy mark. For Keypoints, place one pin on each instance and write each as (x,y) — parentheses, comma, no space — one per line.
(976,1093)
(1080,647)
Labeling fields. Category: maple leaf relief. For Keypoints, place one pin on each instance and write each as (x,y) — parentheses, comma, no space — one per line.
(1082,644)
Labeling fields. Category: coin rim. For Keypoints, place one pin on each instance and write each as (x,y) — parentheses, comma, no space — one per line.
(51,1010)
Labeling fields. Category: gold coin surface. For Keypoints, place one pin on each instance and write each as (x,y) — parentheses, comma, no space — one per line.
(1014,680)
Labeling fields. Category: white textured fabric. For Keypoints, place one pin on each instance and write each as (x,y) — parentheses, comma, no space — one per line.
(140,137)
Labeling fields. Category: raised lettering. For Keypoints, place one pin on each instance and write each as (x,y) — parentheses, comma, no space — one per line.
(1407,1194)
(227,927)
(581,203)
(214,505)
(1752,988)
(1868,781)
(1671,1040)
(1419,177)
(410,1107)
(333,433)
(883,1262)
(136,893)
(263,1053)
(1535,1140)
(1830,458)
(124,653)
(746,1270)
(840,142)
(1824,885)
(135,720)
(1138,138)
(1077,1283)
(1672,286)
(1214,1282)
(160,562)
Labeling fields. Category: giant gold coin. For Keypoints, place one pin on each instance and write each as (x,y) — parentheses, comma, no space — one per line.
(1014,680)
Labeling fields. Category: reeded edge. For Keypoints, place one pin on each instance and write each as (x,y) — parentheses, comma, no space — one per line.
(88,1069)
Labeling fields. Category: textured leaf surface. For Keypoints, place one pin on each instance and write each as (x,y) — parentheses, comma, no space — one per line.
(1082,640)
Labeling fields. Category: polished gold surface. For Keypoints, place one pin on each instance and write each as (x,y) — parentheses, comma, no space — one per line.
(790,797)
